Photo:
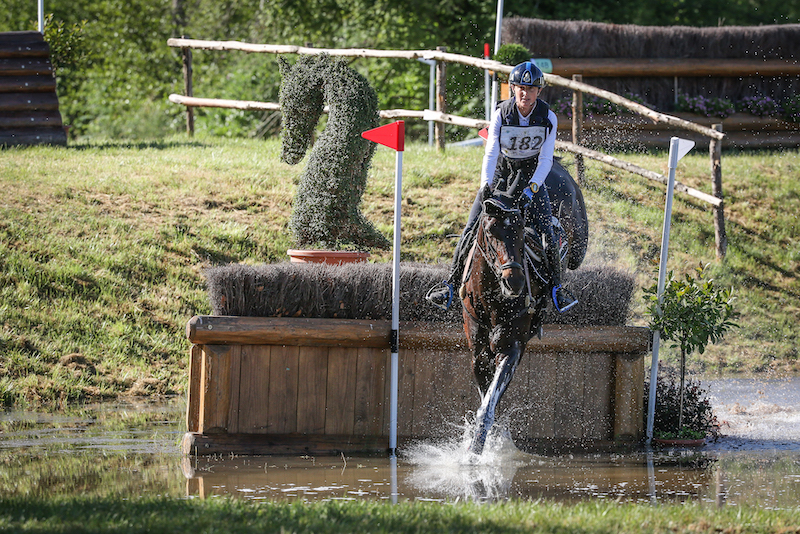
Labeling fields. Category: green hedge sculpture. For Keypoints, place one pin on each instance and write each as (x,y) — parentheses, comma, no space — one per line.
(326,208)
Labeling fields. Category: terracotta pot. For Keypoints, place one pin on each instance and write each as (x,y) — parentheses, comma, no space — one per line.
(681,442)
(330,257)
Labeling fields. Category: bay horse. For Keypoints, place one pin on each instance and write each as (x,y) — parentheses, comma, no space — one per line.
(504,293)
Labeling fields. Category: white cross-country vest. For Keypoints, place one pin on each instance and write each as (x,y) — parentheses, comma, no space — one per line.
(523,142)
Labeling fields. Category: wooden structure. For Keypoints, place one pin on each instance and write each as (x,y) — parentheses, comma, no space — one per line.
(28,101)
(321,386)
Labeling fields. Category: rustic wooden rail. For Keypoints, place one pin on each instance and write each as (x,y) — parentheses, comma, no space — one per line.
(683,67)
(320,386)
(713,133)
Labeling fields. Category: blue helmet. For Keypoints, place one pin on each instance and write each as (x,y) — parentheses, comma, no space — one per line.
(527,74)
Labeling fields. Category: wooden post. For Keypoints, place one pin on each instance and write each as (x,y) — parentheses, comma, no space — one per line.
(577,127)
(441,103)
(187,88)
(715,151)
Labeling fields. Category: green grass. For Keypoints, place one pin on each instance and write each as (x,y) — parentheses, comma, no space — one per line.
(103,246)
(156,515)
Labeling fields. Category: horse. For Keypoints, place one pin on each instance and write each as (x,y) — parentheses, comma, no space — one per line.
(505,288)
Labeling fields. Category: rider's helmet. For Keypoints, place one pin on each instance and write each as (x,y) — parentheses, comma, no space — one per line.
(527,74)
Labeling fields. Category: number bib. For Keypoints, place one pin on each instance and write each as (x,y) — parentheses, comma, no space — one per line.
(522,142)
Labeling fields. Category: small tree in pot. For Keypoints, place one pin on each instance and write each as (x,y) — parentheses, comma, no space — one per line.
(694,313)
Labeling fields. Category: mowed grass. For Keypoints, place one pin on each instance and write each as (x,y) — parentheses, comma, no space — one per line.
(103,247)
(155,515)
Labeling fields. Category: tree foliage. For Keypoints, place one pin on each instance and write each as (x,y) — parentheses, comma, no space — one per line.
(122,90)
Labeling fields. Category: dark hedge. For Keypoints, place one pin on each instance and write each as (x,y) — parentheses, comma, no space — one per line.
(364,291)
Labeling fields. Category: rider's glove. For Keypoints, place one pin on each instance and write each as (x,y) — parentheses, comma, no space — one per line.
(530,190)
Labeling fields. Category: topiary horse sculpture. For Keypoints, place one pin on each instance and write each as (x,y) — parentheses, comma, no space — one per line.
(327,203)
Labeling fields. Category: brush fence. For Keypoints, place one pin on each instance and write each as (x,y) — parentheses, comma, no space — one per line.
(321,386)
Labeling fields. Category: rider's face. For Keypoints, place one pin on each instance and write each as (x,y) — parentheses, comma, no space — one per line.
(526,97)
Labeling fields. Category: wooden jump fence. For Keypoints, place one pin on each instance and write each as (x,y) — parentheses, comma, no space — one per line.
(714,133)
(267,385)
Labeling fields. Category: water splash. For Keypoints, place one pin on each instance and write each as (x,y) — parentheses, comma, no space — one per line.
(447,469)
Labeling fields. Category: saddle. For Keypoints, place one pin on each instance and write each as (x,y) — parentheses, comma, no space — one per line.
(535,257)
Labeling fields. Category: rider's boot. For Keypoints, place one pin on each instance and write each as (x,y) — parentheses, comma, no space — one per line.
(563,300)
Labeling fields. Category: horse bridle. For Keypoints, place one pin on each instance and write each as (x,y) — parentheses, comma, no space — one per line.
(493,258)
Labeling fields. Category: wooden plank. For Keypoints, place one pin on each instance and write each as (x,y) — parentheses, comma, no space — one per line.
(215,393)
(25,67)
(598,397)
(283,386)
(30,119)
(193,392)
(33,136)
(234,407)
(405,395)
(542,395)
(254,385)
(628,397)
(28,102)
(21,37)
(312,390)
(457,387)
(32,50)
(262,444)
(341,396)
(369,333)
(569,396)
(371,376)
(27,84)
(683,67)
(426,423)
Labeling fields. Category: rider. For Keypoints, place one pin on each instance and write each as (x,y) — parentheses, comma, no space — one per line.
(521,140)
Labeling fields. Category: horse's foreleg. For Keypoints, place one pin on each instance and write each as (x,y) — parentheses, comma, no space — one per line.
(504,372)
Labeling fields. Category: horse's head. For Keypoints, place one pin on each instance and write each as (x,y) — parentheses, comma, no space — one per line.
(504,230)
(301,101)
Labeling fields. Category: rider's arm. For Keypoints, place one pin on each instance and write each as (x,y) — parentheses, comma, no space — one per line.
(492,150)
(546,155)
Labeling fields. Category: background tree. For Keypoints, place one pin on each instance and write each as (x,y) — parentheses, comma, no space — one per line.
(122,90)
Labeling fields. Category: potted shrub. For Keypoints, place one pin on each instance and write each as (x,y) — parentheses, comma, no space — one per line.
(326,211)
(509,54)
(699,422)
(693,313)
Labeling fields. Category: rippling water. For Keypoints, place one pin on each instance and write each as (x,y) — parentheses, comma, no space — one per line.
(132,449)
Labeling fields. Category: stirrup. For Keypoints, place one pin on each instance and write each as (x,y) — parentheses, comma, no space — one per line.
(438,289)
(555,299)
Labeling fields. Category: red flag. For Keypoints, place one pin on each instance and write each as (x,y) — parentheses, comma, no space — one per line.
(392,135)
(484,133)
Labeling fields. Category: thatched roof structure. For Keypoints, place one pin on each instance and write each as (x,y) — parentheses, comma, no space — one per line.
(581,39)
(364,291)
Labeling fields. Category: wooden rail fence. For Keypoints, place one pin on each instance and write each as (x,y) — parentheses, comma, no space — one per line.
(713,133)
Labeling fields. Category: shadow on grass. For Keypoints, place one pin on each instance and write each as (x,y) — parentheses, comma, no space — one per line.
(138,145)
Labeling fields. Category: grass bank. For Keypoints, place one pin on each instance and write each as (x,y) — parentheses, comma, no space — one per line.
(154,515)
(103,247)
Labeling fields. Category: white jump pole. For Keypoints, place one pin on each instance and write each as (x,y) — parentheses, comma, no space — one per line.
(498,31)
(393,135)
(677,149)
(41,17)
(398,197)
